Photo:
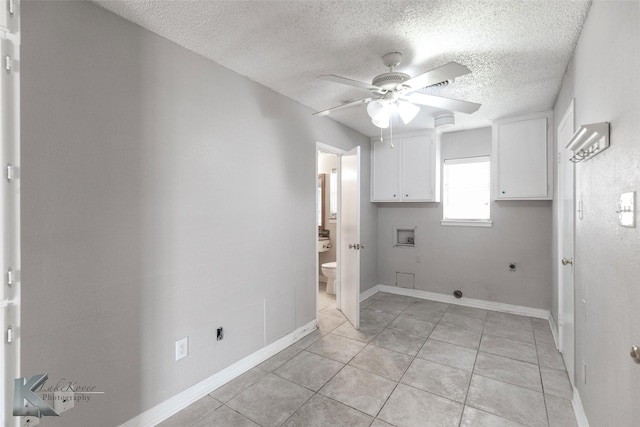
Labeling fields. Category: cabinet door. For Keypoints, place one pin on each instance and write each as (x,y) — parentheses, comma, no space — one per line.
(521,151)
(417,168)
(385,174)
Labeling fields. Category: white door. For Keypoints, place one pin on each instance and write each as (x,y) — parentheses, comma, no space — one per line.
(566,213)
(349,285)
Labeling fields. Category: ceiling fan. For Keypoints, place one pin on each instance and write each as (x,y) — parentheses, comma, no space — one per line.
(399,91)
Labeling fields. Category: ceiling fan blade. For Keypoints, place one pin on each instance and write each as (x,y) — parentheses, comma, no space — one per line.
(339,107)
(348,82)
(444,103)
(446,72)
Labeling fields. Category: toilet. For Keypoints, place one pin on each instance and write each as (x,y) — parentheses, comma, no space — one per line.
(329,270)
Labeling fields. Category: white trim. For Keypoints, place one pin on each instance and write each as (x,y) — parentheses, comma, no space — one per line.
(578,409)
(467,302)
(369,293)
(554,332)
(467,160)
(175,404)
(467,222)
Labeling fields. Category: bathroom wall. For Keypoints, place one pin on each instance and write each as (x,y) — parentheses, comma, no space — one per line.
(327,162)
(472,259)
(606,266)
(163,196)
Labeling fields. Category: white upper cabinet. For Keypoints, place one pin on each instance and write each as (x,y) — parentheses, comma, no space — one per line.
(385,176)
(408,172)
(521,158)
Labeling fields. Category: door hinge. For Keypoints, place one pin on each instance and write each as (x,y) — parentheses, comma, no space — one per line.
(10,277)
(10,172)
(8,64)
(10,335)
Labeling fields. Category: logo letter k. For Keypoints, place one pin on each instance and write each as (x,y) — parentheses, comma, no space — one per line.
(24,390)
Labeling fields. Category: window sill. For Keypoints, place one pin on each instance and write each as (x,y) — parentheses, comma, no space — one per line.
(467,222)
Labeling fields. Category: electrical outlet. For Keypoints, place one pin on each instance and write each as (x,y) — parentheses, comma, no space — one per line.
(182,348)
(418,259)
(29,421)
(63,401)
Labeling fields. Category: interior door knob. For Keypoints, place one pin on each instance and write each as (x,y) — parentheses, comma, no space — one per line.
(566,261)
(635,353)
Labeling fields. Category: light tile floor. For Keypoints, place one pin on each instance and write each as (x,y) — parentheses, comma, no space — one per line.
(324,299)
(412,363)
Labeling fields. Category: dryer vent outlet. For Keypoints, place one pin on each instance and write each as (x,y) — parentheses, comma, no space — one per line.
(457,294)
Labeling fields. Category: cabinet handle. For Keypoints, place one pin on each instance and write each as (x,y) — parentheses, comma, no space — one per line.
(406,195)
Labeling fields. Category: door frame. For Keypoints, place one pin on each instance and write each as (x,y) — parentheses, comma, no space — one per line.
(562,331)
(10,232)
(338,152)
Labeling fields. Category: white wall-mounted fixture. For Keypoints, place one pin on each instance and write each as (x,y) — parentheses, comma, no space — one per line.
(588,141)
(404,236)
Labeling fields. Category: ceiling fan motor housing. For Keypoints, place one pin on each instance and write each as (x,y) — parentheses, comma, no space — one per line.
(390,81)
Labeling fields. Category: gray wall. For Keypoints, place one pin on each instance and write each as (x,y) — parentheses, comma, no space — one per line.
(162,196)
(472,259)
(604,79)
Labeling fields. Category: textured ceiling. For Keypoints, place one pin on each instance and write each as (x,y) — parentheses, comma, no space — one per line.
(518,51)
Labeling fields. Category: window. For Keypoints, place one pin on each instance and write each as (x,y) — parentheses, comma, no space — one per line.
(467,191)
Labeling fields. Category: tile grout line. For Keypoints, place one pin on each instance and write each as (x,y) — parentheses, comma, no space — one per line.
(466,397)
(407,368)
(544,399)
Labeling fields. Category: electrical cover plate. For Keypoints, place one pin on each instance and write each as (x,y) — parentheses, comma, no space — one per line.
(182,348)
(626,210)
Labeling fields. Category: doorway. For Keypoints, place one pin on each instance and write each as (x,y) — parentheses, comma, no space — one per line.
(341,221)
(566,226)
(327,221)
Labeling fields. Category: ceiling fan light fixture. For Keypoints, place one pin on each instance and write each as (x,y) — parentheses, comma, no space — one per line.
(407,111)
(377,108)
(382,121)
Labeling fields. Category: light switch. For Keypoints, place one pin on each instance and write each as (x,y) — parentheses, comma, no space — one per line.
(626,210)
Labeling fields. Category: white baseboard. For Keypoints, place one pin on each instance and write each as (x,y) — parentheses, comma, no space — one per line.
(369,293)
(468,302)
(175,404)
(578,409)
